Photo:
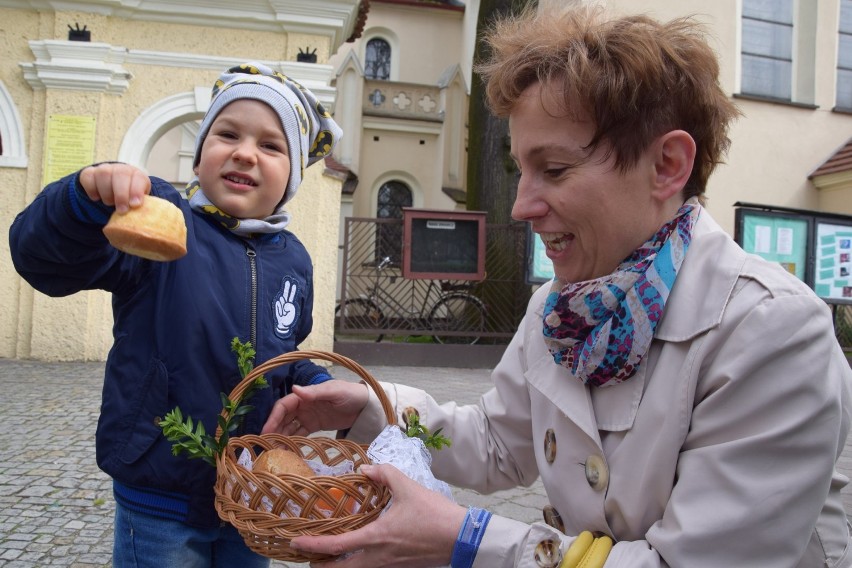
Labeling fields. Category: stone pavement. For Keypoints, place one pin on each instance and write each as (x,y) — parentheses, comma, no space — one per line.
(56,506)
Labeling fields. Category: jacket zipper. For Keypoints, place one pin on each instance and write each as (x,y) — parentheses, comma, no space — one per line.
(252,256)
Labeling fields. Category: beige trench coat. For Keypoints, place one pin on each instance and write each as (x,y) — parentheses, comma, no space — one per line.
(719,453)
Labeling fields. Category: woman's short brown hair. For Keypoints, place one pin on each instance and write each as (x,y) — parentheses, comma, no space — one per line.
(636,77)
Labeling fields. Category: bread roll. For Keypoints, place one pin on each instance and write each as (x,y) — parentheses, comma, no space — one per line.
(279,461)
(155,230)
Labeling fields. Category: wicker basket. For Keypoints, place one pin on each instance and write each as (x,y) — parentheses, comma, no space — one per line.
(269,510)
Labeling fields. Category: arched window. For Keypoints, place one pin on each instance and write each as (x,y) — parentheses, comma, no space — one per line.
(393,196)
(12,143)
(377,61)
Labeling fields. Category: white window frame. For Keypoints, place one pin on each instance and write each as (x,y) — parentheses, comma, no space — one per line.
(393,41)
(843,91)
(802,57)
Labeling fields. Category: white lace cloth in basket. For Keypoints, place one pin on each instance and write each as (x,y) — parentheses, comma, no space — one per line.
(391,446)
(408,455)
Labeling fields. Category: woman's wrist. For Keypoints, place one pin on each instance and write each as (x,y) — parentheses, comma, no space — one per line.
(469,537)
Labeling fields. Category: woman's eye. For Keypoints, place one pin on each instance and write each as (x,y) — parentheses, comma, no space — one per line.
(555,172)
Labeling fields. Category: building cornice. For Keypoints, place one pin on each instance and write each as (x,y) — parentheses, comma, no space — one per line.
(395,124)
(79,66)
(99,67)
(334,19)
(437,4)
(833,181)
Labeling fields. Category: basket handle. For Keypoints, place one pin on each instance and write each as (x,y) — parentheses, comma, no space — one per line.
(294,356)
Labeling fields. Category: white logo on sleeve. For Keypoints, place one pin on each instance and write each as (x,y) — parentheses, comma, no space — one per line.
(285,308)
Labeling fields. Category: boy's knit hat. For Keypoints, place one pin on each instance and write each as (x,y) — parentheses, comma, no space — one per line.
(310,131)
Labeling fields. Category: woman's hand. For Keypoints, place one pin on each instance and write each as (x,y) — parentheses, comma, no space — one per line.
(331,405)
(116,184)
(418,530)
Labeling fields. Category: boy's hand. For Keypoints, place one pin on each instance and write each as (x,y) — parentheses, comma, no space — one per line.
(119,185)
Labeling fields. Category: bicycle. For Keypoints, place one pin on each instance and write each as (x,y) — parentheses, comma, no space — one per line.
(455,317)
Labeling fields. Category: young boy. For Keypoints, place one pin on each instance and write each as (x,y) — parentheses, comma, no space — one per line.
(244,276)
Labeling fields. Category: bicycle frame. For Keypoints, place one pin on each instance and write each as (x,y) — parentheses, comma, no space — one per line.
(428,307)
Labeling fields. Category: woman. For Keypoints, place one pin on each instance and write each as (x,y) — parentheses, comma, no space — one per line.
(673,393)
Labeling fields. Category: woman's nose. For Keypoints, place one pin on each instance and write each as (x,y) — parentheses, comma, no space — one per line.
(527,206)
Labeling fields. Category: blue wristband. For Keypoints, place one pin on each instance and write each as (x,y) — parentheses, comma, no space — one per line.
(470,536)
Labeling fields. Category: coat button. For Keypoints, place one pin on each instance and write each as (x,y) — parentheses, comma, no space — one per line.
(550,445)
(597,473)
(553,518)
(548,554)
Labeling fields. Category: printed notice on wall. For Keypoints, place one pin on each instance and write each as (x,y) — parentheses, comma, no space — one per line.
(69,145)
(784,241)
(778,239)
(762,239)
(833,278)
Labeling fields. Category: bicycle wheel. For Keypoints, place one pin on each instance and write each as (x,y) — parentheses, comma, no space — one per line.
(457,312)
(359,319)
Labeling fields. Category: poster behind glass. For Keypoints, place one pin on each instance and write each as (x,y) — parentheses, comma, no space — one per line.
(833,270)
(778,239)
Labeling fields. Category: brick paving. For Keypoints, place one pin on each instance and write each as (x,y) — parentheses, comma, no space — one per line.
(56,506)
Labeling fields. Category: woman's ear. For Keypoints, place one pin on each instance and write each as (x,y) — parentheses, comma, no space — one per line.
(674,156)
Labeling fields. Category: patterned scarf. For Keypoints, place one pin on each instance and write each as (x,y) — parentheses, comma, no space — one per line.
(275,223)
(601,329)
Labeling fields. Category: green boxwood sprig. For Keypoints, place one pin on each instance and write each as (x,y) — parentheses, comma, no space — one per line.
(191,438)
(434,439)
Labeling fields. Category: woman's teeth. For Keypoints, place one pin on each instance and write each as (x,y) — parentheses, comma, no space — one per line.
(556,241)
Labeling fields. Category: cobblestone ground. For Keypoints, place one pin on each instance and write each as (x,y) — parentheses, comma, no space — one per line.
(56,506)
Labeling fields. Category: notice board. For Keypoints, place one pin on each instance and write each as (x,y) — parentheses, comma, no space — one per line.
(777,237)
(443,245)
(539,267)
(833,273)
(815,246)
(69,145)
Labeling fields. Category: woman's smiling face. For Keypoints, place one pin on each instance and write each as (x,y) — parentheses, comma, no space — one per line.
(245,163)
(589,214)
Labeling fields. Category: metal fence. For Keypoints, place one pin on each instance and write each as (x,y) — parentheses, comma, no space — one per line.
(382,304)
(403,306)
(843,326)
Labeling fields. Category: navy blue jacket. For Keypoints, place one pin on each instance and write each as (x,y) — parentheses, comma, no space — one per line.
(173,327)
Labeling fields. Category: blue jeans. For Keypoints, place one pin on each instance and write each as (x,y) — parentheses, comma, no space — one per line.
(145,541)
